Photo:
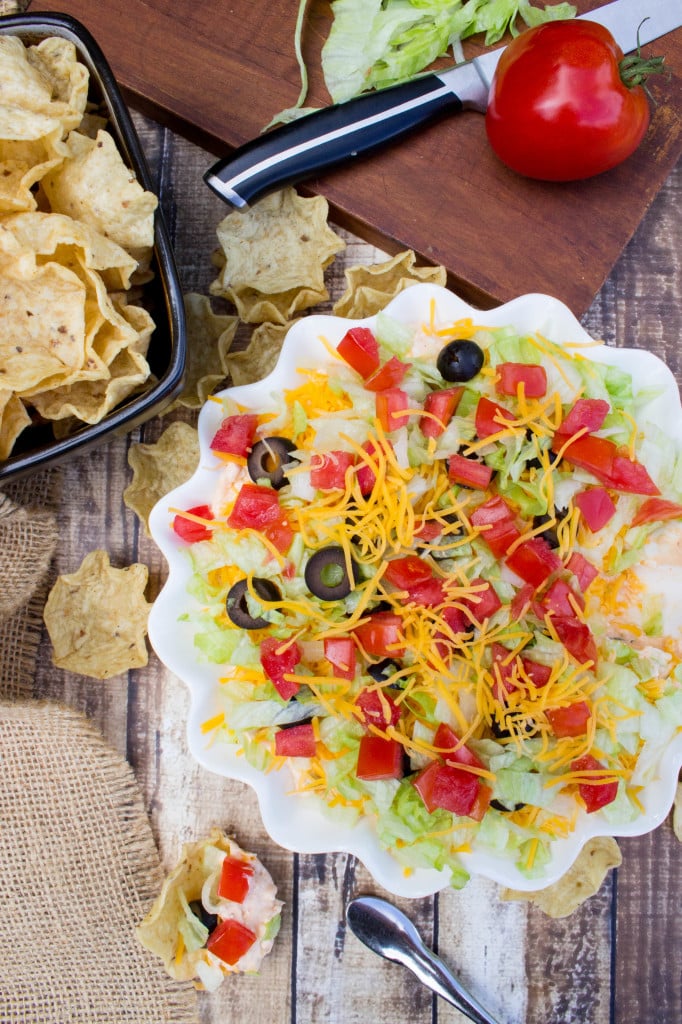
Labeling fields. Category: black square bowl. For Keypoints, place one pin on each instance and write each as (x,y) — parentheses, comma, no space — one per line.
(36,447)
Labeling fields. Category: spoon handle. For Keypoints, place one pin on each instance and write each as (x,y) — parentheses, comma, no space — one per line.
(432,972)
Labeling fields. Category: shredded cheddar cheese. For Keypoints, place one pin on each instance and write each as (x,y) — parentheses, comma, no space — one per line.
(519,678)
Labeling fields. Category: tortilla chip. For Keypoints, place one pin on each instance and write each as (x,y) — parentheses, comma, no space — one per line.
(94,186)
(97,618)
(209,338)
(68,242)
(370,289)
(13,419)
(261,354)
(677,812)
(56,60)
(582,880)
(159,932)
(43,315)
(159,468)
(19,172)
(275,255)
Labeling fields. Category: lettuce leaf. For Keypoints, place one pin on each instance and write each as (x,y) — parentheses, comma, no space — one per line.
(372,44)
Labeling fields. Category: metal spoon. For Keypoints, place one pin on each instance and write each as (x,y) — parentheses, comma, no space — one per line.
(391,934)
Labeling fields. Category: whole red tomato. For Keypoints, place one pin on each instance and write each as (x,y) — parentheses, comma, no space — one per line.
(559,109)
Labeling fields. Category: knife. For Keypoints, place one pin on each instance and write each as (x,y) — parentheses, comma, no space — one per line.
(333,135)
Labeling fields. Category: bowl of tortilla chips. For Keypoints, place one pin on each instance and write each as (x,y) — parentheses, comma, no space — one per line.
(93,337)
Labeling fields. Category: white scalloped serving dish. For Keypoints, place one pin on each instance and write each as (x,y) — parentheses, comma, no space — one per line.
(297,822)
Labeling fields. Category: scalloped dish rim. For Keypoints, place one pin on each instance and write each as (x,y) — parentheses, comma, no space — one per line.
(299,822)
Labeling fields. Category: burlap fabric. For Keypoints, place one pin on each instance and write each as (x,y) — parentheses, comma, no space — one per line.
(78,871)
(78,864)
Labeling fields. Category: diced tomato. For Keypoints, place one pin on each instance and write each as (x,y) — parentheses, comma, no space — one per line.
(381,635)
(561,599)
(537,673)
(631,476)
(595,454)
(235,878)
(391,406)
(530,375)
(254,508)
(457,622)
(521,601)
(406,571)
(278,663)
(596,793)
(279,533)
(504,672)
(389,376)
(481,803)
(447,787)
(442,405)
(230,940)
(656,510)
(190,531)
(490,417)
(296,741)
(366,476)
(328,470)
(427,529)
(376,707)
(587,413)
(495,520)
(582,569)
(484,602)
(469,472)
(576,638)
(379,758)
(360,349)
(340,651)
(449,749)
(571,720)
(510,675)
(596,507)
(534,561)
(428,594)
(235,434)
(601,457)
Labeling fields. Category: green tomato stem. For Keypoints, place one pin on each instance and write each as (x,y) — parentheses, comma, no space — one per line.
(635,69)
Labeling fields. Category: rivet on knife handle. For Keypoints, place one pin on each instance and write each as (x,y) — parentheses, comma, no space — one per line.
(330,136)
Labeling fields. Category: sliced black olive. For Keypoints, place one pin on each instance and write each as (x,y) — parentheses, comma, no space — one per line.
(326,574)
(209,921)
(382,670)
(550,534)
(237,602)
(460,360)
(499,806)
(268,458)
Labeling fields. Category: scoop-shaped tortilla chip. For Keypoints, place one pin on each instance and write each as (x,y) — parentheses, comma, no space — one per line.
(275,255)
(97,617)
(173,930)
(209,339)
(94,186)
(583,879)
(370,288)
(161,467)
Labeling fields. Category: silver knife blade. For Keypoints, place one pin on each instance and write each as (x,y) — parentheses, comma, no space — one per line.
(631,23)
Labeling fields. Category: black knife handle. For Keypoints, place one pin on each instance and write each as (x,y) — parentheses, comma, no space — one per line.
(328,137)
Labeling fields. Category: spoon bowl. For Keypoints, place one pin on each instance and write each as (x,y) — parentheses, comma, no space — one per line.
(388,932)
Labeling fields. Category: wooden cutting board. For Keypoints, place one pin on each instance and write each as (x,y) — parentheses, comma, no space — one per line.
(218,70)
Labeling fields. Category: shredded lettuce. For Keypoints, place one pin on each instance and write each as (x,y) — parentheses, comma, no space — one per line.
(373,44)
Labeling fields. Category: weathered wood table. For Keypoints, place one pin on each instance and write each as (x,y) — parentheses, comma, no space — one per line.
(617,960)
